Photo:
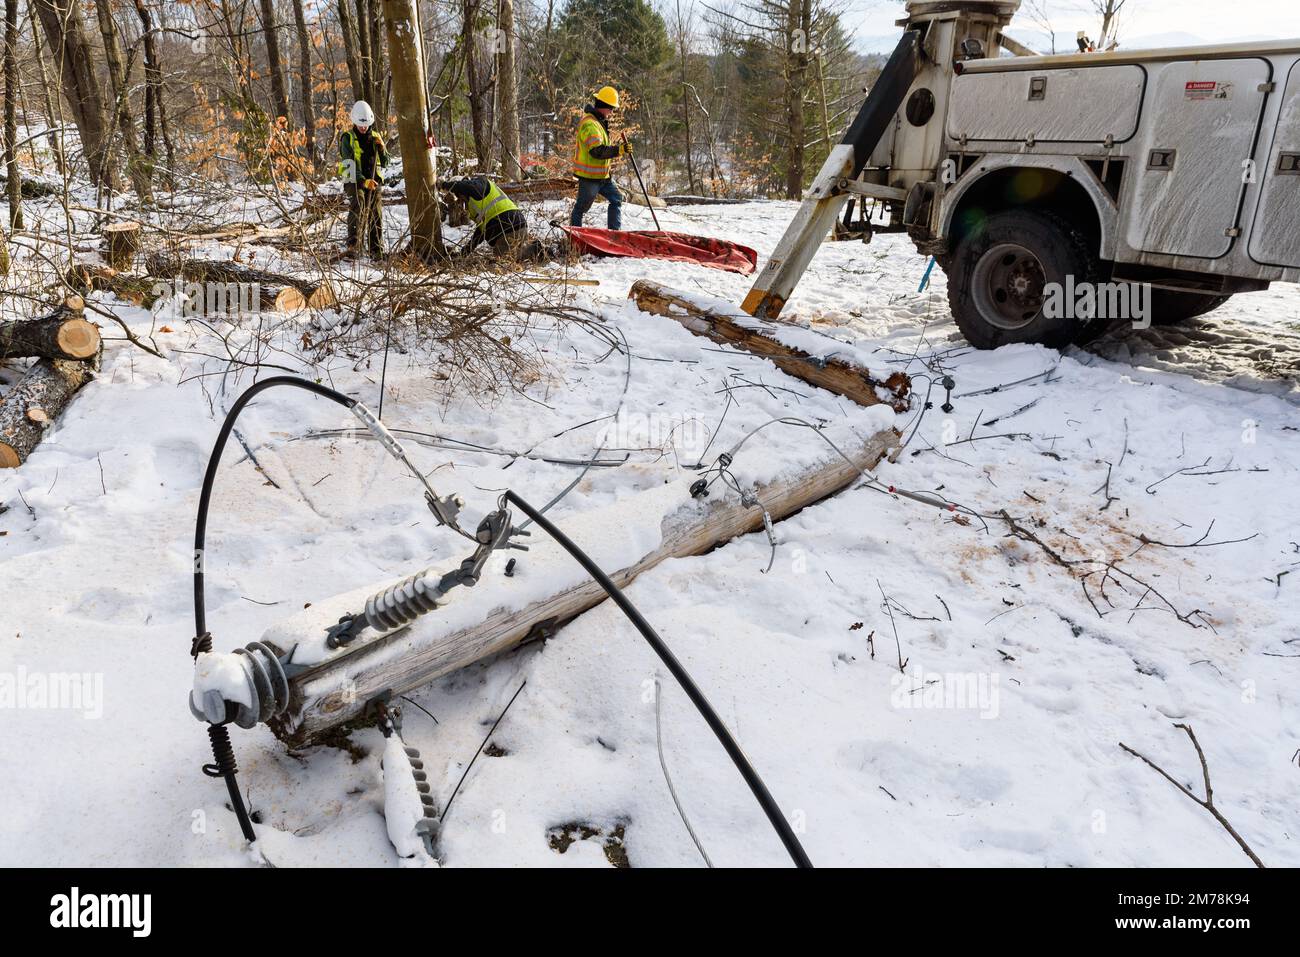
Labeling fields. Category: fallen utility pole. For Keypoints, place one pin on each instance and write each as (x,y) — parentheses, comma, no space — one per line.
(730,326)
(547,589)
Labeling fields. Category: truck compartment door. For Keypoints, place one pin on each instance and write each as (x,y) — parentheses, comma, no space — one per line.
(1051,106)
(1199,126)
(1275,234)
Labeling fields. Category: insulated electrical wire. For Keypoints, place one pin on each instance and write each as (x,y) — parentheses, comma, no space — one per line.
(223,753)
(756,785)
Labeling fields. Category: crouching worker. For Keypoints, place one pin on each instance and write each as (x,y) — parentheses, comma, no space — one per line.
(497,220)
(361,158)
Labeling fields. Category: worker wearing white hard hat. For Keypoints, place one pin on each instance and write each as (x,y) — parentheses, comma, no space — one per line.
(362,156)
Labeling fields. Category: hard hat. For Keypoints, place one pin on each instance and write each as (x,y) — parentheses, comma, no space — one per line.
(362,114)
(607,95)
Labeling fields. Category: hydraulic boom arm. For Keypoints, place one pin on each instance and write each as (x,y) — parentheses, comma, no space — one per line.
(829,189)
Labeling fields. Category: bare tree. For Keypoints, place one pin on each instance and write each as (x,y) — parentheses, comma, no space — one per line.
(13,181)
(304,79)
(351,50)
(478,83)
(406,63)
(683,31)
(137,165)
(1108,10)
(798,38)
(279,101)
(508,91)
(65,33)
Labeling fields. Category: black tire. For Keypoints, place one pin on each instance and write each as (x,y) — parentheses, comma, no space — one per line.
(997,273)
(1168,308)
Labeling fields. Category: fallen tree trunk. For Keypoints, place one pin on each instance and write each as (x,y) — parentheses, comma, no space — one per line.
(546,590)
(31,406)
(684,199)
(90,277)
(552,187)
(735,328)
(274,292)
(63,334)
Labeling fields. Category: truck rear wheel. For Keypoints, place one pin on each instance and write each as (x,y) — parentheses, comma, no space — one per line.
(1168,308)
(998,273)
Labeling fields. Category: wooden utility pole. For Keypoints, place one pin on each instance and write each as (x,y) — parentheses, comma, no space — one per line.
(406,65)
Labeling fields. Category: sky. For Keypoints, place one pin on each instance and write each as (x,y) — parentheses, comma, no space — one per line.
(1210,21)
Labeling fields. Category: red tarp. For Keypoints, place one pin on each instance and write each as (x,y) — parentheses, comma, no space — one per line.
(652,244)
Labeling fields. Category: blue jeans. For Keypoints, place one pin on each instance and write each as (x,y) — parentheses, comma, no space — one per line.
(588,190)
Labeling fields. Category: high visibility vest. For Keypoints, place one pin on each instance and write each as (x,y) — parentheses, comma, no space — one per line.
(590,133)
(490,206)
(350,156)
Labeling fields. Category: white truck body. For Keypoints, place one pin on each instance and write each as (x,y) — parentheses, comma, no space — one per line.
(1176,169)
(1208,139)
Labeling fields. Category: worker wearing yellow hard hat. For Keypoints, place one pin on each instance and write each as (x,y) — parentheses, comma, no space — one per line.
(592,155)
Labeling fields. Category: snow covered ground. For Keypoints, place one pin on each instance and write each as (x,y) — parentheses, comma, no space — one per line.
(996,743)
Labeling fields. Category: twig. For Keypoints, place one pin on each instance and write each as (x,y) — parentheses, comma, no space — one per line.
(1208,803)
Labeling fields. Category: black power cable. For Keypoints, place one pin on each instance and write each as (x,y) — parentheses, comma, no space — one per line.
(223,752)
(756,785)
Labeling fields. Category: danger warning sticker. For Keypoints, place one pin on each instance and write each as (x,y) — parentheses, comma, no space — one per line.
(1207,90)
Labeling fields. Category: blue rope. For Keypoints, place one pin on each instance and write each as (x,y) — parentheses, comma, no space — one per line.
(925,280)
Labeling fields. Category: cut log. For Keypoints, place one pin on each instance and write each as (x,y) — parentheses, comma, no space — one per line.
(121,243)
(551,187)
(91,277)
(685,199)
(274,292)
(547,589)
(730,326)
(64,334)
(632,194)
(36,401)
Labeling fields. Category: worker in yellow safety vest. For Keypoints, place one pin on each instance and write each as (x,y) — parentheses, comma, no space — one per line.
(592,155)
(496,218)
(362,157)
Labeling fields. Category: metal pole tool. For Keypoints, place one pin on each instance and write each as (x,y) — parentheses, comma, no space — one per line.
(645,192)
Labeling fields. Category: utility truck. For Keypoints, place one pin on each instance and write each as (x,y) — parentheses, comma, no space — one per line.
(1173,171)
